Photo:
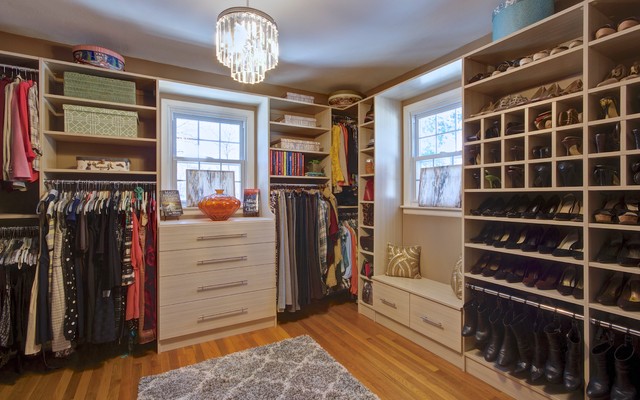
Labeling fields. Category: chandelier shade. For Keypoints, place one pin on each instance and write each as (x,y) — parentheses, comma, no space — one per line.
(247,43)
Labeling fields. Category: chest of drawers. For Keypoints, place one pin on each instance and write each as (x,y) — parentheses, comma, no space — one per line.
(215,279)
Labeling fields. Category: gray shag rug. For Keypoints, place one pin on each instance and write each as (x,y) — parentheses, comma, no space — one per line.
(296,368)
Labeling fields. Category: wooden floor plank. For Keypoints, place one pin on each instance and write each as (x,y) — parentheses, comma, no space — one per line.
(388,364)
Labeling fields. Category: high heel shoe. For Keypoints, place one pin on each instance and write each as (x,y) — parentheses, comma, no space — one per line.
(493,131)
(567,208)
(481,264)
(567,173)
(474,155)
(578,291)
(520,207)
(543,120)
(573,87)
(606,175)
(568,280)
(533,273)
(629,254)
(486,231)
(492,266)
(549,241)
(493,182)
(540,152)
(568,117)
(550,278)
(495,154)
(550,208)
(516,175)
(611,289)
(615,75)
(608,213)
(517,153)
(531,242)
(608,253)
(608,141)
(564,248)
(636,138)
(609,107)
(629,299)
(629,214)
(573,145)
(534,208)
(542,175)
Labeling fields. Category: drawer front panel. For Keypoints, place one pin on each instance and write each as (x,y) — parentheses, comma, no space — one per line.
(190,287)
(214,234)
(392,302)
(437,322)
(199,316)
(212,259)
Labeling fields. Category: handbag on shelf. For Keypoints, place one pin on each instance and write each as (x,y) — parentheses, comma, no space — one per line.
(368,191)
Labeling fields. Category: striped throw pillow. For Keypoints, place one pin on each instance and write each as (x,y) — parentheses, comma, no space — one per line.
(404,262)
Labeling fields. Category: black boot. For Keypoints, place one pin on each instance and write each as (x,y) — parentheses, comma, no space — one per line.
(483,329)
(508,350)
(540,350)
(600,384)
(497,332)
(623,388)
(573,367)
(470,318)
(521,329)
(554,366)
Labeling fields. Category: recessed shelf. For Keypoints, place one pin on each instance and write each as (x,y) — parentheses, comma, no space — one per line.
(525,221)
(532,254)
(97,139)
(615,267)
(615,310)
(297,130)
(57,101)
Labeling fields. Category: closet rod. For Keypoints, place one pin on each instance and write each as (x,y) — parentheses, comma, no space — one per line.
(25,69)
(566,313)
(297,185)
(71,181)
(526,302)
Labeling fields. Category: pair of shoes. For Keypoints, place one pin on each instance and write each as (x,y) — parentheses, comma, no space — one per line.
(608,141)
(517,152)
(606,175)
(569,281)
(513,128)
(516,175)
(615,75)
(568,174)
(569,117)
(493,181)
(493,131)
(475,179)
(479,76)
(488,108)
(473,155)
(541,152)
(489,207)
(546,92)
(542,175)
(573,145)
(510,101)
(608,213)
(609,107)
(622,291)
(569,208)
(571,246)
(573,87)
(543,120)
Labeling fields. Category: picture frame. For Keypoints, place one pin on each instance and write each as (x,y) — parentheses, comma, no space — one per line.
(202,183)
(440,187)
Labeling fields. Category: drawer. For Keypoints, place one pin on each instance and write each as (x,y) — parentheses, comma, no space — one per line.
(392,302)
(211,259)
(203,285)
(194,235)
(219,312)
(437,322)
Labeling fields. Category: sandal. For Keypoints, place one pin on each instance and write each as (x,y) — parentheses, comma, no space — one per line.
(634,71)
(564,248)
(572,144)
(608,213)
(609,107)
(617,73)
(543,120)
(629,214)
(573,87)
(567,208)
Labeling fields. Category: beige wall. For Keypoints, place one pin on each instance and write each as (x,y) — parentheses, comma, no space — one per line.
(441,242)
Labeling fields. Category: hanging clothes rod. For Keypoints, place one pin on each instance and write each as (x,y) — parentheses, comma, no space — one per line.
(566,313)
(70,181)
(25,69)
(296,185)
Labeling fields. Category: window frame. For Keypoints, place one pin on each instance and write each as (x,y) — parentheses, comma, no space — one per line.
(170,109)
(429,106)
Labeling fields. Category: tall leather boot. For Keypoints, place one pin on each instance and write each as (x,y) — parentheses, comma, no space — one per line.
(521,329)
(470,318)
(599,385)
(497,332)
(572,375)
(540,351)
(508,349)
(623,388)
(483,328)
(554,366)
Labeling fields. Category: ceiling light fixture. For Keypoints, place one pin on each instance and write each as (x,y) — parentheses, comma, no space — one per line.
(247,42)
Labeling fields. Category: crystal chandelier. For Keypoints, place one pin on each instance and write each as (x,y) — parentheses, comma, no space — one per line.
(247,43)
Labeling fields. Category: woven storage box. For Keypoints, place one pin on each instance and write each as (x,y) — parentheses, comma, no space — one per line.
(99,88)
(297,120)
(103,163)
(100,121)
(299,145)
(513,15)
(300,97)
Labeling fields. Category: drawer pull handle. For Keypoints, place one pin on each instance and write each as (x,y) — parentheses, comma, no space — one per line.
(430,322)
(221,260)
(222,285)
(216,237)
(205,318)
(388,303)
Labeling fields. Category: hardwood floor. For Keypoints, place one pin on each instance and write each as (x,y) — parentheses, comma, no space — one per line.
(389,365)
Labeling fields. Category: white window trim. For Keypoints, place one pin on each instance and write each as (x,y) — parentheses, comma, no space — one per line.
(169,107)
(438,101)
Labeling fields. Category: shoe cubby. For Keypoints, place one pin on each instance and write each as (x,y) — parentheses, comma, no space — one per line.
(472,156)
(472,131)
(540,175)
(631,102)
(472,177)
(615,292)
(604,105)
(569,143)
(492,153)
(492,178)
(604,138)
(605,172)
(539,147)
(514,150)
(540,119)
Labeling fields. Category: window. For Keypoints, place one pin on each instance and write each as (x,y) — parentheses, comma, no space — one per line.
(206,138)
(435,131)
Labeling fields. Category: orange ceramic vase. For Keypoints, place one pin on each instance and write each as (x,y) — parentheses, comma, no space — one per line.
(219,206)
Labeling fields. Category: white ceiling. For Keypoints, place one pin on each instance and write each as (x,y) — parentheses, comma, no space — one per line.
(325,45)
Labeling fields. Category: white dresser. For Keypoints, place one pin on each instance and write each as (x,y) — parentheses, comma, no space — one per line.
(215,279)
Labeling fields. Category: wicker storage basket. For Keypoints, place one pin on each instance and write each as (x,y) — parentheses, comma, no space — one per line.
(99,88)
(298,145)
(100,121)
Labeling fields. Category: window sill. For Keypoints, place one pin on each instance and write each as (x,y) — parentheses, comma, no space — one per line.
(432,211)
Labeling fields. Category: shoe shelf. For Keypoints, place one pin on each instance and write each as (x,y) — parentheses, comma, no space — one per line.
(521,287)
(615,267)
(514,386)
(526,221)
(517,252)
(615,310)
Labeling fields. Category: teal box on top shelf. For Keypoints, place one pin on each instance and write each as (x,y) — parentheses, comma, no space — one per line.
(513,15)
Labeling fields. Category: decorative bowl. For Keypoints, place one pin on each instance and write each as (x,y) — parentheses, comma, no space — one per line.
(98,57)
(219,206)
(344,98)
